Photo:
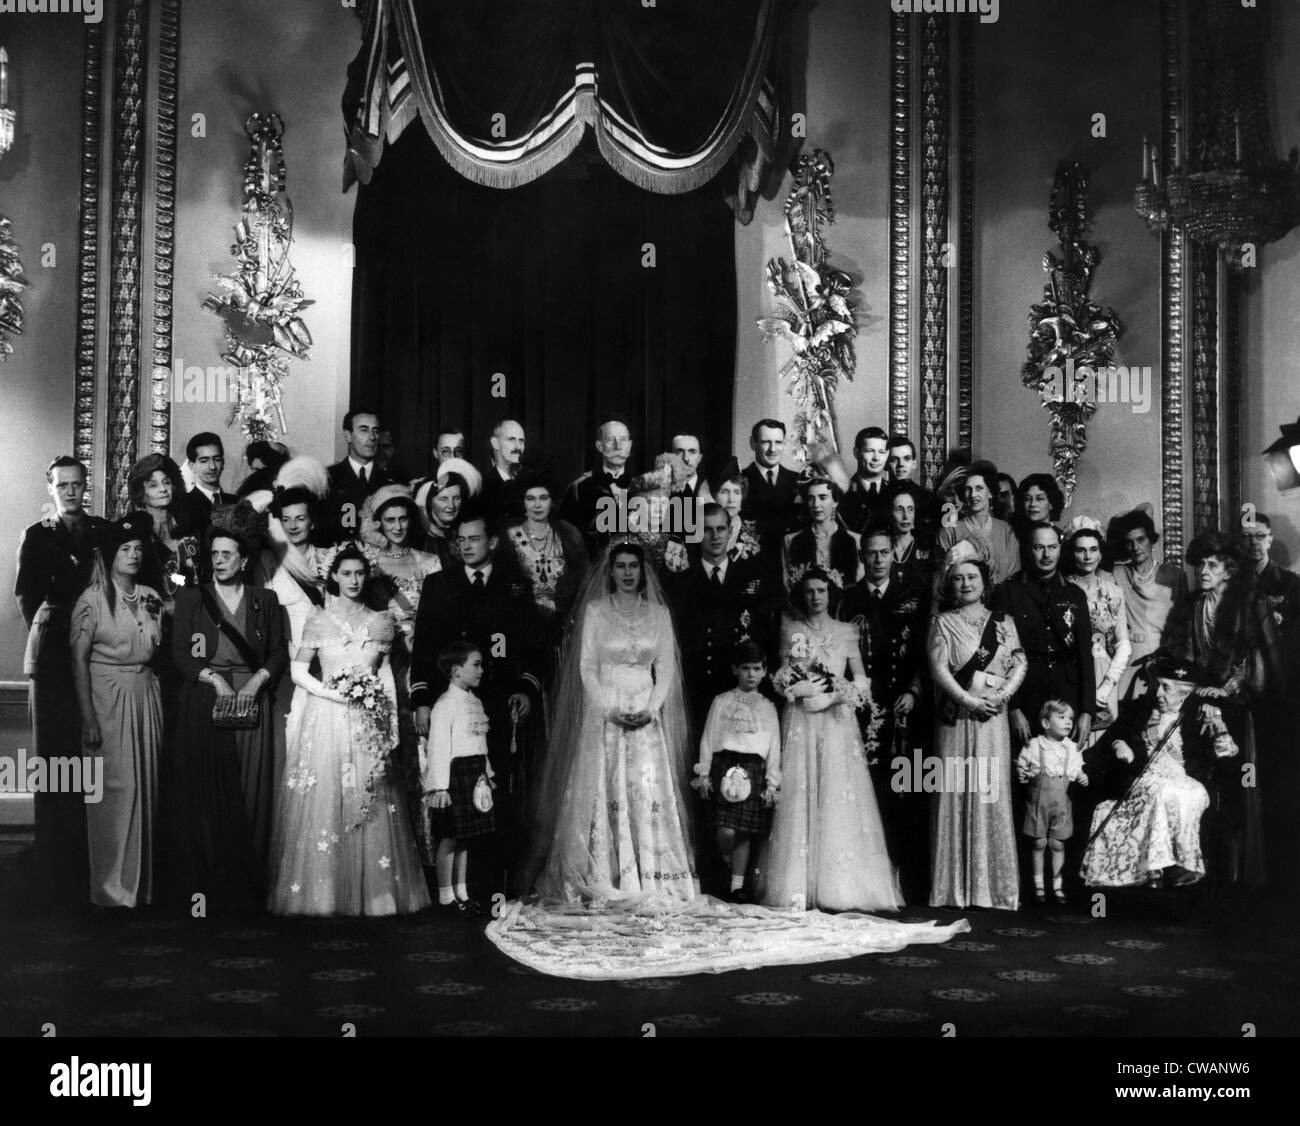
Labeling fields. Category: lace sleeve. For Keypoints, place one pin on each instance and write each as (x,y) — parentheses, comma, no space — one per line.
(316,631)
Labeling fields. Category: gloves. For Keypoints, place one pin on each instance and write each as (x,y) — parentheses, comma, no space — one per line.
(303,679)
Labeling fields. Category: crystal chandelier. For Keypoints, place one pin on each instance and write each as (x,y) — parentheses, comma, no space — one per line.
(1228,189)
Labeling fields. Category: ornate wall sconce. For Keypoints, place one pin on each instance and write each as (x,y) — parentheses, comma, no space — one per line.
(263,298)
(1071,338)
(12,283)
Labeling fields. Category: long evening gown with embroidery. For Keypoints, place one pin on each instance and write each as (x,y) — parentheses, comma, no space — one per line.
(622,831)
(827,847)
(342,842)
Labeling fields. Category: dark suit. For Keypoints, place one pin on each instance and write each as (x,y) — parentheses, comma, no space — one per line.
(864,507)
(773,508)
(710,620)
(582,503)
(196,510)
(892,644)
(341,514)
(54,567)
(502,621)
(502,500)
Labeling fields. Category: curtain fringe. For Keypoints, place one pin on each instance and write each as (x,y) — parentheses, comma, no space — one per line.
(366,151)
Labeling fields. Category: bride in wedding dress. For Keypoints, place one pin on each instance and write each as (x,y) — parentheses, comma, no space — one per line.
(615,892)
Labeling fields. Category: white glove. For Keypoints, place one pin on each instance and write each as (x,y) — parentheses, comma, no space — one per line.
(303,679)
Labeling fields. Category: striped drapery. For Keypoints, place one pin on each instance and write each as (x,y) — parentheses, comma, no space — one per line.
(671,91)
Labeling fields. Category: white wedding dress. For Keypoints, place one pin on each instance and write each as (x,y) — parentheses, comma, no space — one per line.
(616,894)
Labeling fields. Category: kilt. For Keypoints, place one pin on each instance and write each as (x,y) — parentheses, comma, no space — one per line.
(748,816)
(1047,811)
(461,820)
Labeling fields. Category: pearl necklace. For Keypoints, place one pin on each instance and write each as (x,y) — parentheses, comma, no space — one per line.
(400,553)
(131,598)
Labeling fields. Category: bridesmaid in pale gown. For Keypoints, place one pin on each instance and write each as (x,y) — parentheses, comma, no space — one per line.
(827,847)
(116,629)
(342,843)
(977,665)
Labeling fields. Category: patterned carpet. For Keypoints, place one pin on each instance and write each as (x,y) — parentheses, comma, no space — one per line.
(1159,964)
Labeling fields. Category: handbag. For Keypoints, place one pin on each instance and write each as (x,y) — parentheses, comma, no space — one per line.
(236,712)
(229,711)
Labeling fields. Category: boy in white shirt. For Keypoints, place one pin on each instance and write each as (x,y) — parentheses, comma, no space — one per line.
(457,774)
(740,764)
(1049,763)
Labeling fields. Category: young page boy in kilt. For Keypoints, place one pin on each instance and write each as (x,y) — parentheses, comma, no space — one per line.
(739,772)
(457,774)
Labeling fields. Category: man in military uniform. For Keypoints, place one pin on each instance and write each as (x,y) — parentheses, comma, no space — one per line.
(717,601)
(892,613)
(1051,617)
(54,567)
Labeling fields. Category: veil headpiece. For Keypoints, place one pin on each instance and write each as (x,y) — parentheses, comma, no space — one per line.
(560,862)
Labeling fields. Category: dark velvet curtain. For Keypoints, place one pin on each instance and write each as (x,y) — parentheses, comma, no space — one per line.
(544,284)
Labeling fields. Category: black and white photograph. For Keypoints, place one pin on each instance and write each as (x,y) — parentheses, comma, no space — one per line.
(650,519)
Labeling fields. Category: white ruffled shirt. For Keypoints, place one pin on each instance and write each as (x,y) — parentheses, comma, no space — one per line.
(744,723)
(458,728)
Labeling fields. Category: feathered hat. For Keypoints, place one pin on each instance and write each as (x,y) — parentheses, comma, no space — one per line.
(425,489)
(242,523)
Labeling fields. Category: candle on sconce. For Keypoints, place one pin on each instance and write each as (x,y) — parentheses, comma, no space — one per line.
(4,78)
(1236,129)
(1178,140)
(1146,159)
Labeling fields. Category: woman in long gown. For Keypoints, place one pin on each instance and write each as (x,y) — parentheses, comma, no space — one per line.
(622,828)
(343,843)
(827,847)
(977,665)
(220,782)
(116,629)
(1150,589)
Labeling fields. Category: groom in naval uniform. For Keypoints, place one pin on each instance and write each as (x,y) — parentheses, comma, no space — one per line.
(484,601)
(717,601)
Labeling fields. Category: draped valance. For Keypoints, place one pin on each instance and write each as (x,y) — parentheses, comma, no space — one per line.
(507,88)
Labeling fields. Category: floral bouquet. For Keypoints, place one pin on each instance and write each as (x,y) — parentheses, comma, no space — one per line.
(370,709)
(805,664)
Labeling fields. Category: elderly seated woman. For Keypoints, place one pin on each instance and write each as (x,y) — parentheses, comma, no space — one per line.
(1168,743)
